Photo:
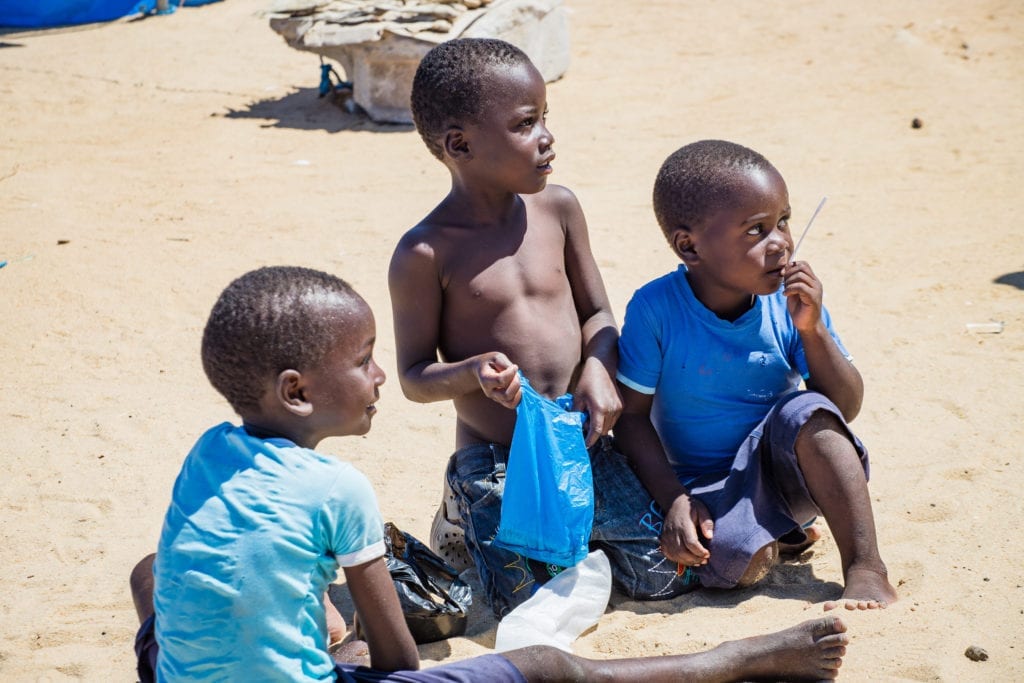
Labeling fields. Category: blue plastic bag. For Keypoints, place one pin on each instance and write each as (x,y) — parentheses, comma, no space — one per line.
(547,511)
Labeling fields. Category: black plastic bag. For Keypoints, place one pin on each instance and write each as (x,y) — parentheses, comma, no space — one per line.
(435,601)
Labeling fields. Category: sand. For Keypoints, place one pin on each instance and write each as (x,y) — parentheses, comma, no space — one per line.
(145,164)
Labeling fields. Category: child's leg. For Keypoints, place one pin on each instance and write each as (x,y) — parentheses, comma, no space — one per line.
(811,650)
(836,481)
(337,629)
(476,474)
(627,527)
(141,582)
(760,565)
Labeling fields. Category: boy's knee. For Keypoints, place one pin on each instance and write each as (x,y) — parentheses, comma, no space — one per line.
(822,421)
(142,573)
(760,565)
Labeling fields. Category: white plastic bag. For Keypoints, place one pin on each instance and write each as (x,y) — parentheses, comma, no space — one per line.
(560,610)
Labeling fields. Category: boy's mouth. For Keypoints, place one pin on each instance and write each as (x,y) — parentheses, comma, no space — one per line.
(545,164)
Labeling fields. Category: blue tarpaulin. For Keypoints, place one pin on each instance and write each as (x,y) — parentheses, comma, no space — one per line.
(47,13)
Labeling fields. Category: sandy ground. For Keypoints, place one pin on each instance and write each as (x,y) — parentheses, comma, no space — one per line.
(145,164)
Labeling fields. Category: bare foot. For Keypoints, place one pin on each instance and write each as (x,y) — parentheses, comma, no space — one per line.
(812,650)
(866,588)
(351,652)
(791,550)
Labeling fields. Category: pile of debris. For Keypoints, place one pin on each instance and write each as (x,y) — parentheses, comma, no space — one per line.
(380,43)
(356,20)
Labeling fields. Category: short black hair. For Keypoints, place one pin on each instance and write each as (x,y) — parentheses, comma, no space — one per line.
(267,321)
(698,179)
(450,85)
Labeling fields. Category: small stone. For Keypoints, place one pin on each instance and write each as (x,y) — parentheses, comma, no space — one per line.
(916,123)
(976,654)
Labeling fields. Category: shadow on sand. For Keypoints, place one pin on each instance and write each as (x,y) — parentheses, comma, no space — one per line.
(305,110)
(787,581)
(1012,279)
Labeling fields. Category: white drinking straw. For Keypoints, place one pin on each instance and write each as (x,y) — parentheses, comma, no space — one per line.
(809,223)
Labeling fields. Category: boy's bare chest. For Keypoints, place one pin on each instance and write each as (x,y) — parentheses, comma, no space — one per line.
(506,270)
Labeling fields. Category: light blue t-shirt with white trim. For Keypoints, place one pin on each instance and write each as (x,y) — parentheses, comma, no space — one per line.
(713,380)
(255,532)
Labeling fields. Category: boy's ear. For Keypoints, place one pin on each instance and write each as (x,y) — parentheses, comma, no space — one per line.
(684,246)
(290,392)
(456,145)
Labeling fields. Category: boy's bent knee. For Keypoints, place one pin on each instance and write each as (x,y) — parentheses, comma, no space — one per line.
(760,565)
(141,583)
(823,422)
(142,572)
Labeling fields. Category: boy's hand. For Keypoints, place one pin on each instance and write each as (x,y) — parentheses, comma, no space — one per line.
(597,396)
(680,542)
(499,379)
(803,295)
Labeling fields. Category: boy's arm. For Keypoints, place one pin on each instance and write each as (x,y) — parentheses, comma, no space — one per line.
(830,371)
(392,647)
(416,300)
(685,517)
(595,390)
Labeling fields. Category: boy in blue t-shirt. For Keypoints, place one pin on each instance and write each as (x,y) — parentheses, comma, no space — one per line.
(710,362)
(259,522)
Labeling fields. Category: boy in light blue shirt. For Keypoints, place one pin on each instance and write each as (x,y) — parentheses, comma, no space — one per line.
(259,523)
(711,358)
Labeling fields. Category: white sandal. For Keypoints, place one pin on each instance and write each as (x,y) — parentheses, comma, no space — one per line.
(447,538)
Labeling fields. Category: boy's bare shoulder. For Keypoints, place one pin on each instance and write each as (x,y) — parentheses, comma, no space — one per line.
(424,238)
(555,196)
(557,202)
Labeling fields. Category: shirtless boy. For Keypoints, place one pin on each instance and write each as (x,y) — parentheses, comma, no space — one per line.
(500,277)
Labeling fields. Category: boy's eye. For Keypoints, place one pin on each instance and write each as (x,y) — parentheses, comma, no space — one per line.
(784,223)
(755,229)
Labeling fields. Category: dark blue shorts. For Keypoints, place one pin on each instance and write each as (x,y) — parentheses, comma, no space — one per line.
(490,668)
(484,668)
(763,497)
(627,527)
(146,650)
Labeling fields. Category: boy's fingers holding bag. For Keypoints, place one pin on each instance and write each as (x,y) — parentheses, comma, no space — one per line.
(499,379)
(595,428)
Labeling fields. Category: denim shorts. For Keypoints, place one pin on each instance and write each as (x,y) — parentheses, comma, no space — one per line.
(627,527)
(763,497)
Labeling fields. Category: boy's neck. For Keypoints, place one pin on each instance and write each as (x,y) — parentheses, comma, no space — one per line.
(724,305)
(481,206)
(262,433)
(262,427)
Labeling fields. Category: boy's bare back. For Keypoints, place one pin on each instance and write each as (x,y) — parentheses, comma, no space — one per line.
(462,289)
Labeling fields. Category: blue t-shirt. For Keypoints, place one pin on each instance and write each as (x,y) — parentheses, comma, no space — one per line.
(713,380)
(255,532)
